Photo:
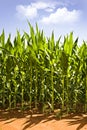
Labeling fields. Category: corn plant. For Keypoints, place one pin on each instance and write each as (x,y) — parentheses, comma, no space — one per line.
(38,72)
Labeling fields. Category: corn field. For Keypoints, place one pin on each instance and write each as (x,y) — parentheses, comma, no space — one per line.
(38,72)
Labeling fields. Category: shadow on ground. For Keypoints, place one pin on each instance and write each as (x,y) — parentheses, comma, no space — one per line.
(30,121)
(9,114)
(80,120)
(35,119)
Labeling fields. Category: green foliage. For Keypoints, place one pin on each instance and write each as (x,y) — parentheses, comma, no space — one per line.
(39,72)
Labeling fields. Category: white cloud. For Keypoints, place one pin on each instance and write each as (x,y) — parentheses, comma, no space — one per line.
(49,10)
(42,5)
(26,11)
(62,15)
(31,11)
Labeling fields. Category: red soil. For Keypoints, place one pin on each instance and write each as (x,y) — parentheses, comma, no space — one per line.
(15,120)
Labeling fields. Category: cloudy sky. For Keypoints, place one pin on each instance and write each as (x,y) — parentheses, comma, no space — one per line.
(62,16)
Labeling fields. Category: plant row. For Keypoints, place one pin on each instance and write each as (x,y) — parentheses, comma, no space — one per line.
(38,72)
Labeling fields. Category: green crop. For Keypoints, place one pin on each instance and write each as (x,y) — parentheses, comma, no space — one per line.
(39,72)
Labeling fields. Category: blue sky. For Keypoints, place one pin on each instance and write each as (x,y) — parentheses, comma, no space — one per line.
(62,16)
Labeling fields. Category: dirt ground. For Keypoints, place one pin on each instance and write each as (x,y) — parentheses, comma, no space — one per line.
(17,120)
